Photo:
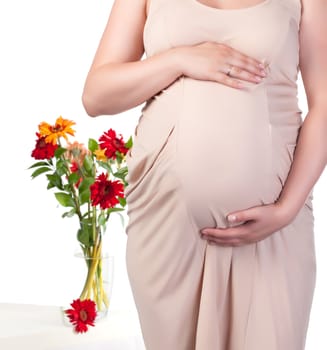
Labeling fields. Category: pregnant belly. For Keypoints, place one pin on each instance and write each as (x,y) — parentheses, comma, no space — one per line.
(218,142)
(225,150)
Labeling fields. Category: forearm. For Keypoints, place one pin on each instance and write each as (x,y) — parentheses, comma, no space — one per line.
(116,87)
(309,161)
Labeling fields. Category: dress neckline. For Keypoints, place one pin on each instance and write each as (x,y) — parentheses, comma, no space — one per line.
(225,10)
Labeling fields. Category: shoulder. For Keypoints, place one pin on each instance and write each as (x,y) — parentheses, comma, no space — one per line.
(147,6)
(314,5)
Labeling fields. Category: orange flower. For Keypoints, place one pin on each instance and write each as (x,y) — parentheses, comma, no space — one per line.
(76,152)
(61,128)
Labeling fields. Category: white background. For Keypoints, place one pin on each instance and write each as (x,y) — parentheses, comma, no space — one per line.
(46,50)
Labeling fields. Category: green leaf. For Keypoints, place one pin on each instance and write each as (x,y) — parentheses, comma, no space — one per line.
(84,237)
(61,167)
(60,151)
(88,164)
(129,142)
(115,209)
(40,171)
(105,166)
(85,233)
(65,199)
(51,185)
(122,201)
(121,173)
(38,164)
(55,180)
(85,216)
(93,145)
(84,197)
(102,219)
(125,183)
(85,184)
(73,178)
(67,188)
(119,157)
(69,214)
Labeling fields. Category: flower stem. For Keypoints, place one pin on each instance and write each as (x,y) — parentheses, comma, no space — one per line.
(72,188)
(94,281)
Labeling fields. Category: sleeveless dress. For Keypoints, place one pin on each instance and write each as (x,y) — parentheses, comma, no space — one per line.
(201,150)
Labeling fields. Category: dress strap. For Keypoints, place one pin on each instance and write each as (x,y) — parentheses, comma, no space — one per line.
(294,7)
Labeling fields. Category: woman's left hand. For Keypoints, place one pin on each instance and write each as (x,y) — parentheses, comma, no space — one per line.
(258,223)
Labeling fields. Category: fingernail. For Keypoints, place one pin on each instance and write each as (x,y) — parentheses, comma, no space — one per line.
(231,218)
(261,65)
(205,232)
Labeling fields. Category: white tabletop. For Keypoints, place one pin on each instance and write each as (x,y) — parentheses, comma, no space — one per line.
(40,327)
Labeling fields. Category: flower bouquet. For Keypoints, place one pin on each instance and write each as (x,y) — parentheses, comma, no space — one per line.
(90,183)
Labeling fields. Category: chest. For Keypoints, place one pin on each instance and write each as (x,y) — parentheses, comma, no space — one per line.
(255,27)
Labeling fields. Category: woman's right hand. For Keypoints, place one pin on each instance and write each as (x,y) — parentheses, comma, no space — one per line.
(219,62)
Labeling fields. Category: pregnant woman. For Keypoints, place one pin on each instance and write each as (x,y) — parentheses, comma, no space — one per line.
(220,251)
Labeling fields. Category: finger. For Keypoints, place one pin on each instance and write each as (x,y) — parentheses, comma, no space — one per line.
(241,60)
(226,244)
(226,80)
(245,238)
(243,215)
(225,235)
(230,233)
(239,73)
(247,63)
(223,238)
(230,51)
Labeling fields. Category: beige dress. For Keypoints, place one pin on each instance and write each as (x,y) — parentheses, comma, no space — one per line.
(202,150)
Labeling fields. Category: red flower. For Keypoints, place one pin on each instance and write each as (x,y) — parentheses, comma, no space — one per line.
(42,149)
(111,143)
(75,169)
(82,314)
(104,192)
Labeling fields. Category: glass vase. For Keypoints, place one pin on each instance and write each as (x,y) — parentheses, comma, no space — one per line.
(96,284)
(99,274)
